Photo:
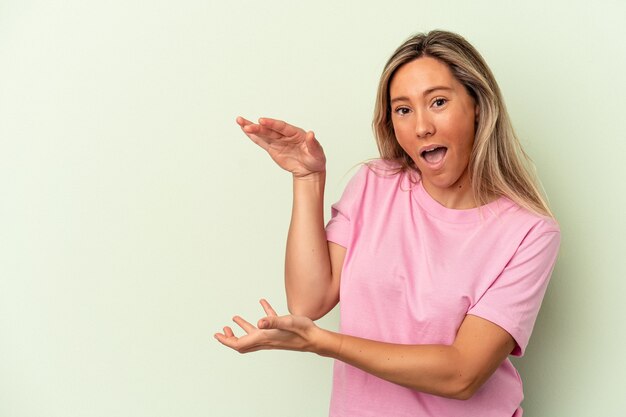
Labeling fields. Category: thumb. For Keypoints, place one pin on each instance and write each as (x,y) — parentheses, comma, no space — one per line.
(274,322)
(313,145)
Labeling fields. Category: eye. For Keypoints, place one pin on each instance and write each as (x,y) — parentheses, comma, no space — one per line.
(401,111)
(439,102)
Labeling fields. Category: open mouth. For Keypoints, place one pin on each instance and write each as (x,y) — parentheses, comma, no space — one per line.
(434,155)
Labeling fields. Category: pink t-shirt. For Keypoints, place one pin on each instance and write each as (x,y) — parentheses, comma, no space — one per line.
(414,269)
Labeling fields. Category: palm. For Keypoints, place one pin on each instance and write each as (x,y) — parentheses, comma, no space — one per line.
(290,147)
(286,332)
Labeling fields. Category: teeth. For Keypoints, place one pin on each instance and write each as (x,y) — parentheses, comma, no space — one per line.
(430,150)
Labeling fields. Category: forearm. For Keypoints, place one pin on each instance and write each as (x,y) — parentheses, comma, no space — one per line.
(433,369)
(452,371)
(308,276)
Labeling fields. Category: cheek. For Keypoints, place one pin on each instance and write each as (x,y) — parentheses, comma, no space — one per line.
(402,134)
(399,137)
(396,128)
(405,145)
(465,136)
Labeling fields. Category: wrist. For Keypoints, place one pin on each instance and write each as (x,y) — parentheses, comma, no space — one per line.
(318,176)
(328,343)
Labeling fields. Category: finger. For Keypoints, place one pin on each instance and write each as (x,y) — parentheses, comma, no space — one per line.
(275,322)
(221,337)
(226,339)
(246,326)
(314,146)
(311,142)
(230,342)
(262,131)
(267,308)
(255,132)
(228,332)
(279,126)
(241,121)
(260,135)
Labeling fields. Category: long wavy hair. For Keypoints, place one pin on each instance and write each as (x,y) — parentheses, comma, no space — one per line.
(498,165)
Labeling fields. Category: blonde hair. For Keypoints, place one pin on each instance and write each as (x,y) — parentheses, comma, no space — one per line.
(498,165)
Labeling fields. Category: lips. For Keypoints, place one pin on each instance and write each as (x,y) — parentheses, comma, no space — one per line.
(433,155)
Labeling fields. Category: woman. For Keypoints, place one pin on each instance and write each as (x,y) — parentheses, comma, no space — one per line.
(440,251)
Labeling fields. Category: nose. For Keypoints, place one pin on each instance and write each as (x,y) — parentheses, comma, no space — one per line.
(424,126)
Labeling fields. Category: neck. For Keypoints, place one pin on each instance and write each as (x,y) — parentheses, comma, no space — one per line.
(458,196)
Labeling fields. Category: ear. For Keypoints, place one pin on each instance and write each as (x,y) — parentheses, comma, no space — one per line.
(476,113)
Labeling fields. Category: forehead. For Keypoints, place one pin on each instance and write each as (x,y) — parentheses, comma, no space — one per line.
(422,74)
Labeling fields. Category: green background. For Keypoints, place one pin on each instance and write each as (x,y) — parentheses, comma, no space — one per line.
(136,219)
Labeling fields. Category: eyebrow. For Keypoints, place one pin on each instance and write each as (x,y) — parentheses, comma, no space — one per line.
(426,92)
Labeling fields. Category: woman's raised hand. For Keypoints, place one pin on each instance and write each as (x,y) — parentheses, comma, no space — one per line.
(290,147)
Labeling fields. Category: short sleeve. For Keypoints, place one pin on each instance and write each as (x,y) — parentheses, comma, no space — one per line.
(514,298)
(339,227)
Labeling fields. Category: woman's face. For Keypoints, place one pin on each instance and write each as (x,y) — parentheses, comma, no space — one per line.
(434,119)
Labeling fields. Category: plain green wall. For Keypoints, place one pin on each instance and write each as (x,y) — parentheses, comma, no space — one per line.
(135,218)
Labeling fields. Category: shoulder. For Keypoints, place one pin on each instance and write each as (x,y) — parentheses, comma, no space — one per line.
(371,172)
(528,230)
(387,172)
(534,222)
(375,181)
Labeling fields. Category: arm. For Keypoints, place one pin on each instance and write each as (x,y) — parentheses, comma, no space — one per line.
(452,371)
(312,265)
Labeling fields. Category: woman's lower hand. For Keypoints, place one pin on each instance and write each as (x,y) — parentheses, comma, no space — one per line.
(290,147)
(272,332)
